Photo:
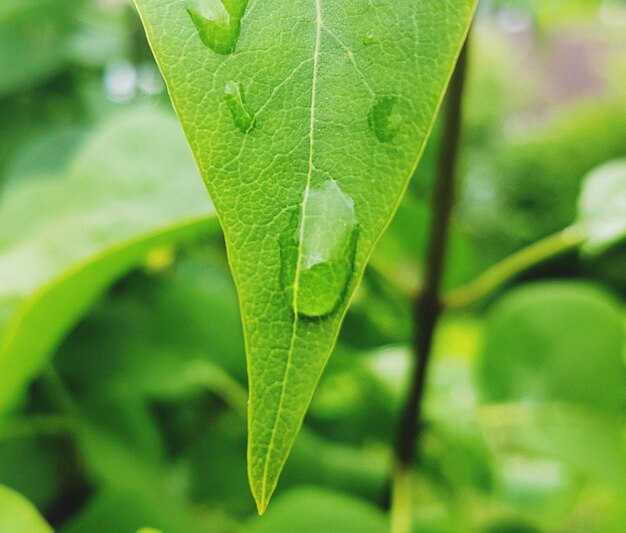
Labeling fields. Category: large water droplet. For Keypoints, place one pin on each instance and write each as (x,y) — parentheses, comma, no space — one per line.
(318,258)
(384,119)
(236,100)
(218,22)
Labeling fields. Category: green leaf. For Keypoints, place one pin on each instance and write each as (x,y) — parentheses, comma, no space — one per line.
(584,441)
(555,342)
(23,458)
(307,120)
(18,515)
(64,241)
(160,338)
(300,510)
(33,40)
(602,206)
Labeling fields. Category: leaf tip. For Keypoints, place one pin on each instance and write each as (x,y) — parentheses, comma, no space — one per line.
(262,486)
(261,498)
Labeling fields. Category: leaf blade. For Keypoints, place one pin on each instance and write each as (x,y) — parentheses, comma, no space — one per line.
(315,84)
(64,241)
(20,515)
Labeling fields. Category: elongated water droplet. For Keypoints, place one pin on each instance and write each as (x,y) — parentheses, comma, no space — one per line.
(369,39)
(218,22)
(384,120)
(318,258)
(235,98)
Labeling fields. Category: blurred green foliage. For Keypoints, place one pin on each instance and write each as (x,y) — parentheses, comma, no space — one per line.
(122,365)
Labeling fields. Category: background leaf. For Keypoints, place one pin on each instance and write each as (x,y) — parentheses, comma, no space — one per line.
(33,39)
(17,515)
(555,342)
(62,242)
(299,510)
(602,206)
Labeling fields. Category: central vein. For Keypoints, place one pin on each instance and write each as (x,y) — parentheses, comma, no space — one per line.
(309,177)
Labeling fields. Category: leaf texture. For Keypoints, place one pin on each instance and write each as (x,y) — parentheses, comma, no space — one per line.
(291,107)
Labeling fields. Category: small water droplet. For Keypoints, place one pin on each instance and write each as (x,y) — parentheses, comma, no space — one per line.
(218,22)
(369,39)
(318,257)
(384,120)
(236,100)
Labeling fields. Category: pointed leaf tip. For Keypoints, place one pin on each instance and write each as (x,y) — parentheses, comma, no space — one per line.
(306,168)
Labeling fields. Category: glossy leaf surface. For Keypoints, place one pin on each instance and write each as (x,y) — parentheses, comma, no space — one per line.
(282,101)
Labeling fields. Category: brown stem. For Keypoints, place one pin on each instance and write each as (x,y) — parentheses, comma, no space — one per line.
(428,304)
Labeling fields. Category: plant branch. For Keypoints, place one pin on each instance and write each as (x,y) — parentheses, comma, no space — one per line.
(503,273)
(428,304)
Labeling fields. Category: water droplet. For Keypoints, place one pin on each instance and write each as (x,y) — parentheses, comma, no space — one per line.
(318,258)
(235,98)
(369,39)
(384,120)
(218,22)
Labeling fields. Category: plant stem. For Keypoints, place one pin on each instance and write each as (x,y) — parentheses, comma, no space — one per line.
(428,304)
(503,273)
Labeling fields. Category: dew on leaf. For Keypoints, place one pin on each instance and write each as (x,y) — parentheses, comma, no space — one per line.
(218,22)
(369,39)
(235,98)
(318,257)
(384,119)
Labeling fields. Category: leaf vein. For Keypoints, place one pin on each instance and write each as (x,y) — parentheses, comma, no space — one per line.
(311,169)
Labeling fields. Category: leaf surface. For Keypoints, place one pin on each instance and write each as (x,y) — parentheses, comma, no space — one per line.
(18,515)
(602,206)
(33,39)
(307,120)
(299,510)
(63,241)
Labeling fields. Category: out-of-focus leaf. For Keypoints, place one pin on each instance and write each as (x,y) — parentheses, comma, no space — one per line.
(124,510)
(18,515)
(531,482)
(63,242)
(510,525)
(524,190)
(602,207)
(401,250)
(135,489)
(457,459)
(557,350)
(587,443)
(31,466)
(44,154)
(156,338)
(33,37)
(312,510)
(555,342)
(217,458)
